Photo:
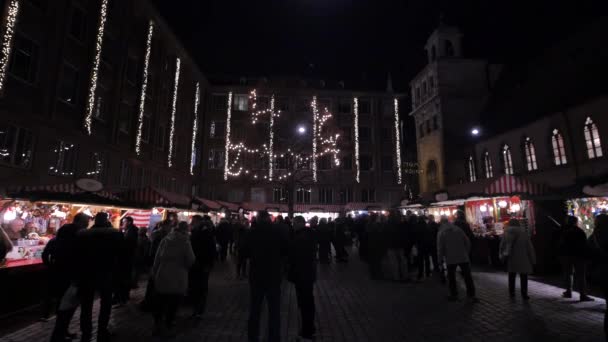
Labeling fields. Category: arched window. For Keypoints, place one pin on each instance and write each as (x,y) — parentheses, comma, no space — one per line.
(487,165)
(592,139)
(433,53)
(431,176)
(471,170)
(530,153)
(507,161)
(559,151)
(449,48)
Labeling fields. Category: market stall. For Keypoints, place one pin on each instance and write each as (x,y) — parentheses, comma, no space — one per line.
(364,208)
(585,209)
(447,208)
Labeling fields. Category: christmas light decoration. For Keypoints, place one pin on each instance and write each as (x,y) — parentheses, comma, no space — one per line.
(315,115)
(271,143)
(144,86)
(88,120)
(194,128)
(356,126)
(227,154)
(397,141)
(178,64)
(7,39)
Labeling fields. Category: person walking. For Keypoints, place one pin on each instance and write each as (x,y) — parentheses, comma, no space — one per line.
(424,248)
(377,246)
(161,230)
(170,270)
(573,251)
(61,258)
(99,250)
(241,243)
(203,245)
(141,253)
(302,272)
(454,246)
(324,241)
(432,232)
(395,246)
(517,249)
(267,249)
(598,245)
(127,262)
(223,238)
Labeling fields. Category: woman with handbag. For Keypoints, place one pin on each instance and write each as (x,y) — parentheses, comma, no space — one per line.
(517,249)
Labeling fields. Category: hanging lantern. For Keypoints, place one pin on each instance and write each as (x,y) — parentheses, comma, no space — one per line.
(502,203)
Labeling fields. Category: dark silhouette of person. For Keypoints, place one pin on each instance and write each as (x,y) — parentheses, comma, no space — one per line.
(203,244)
(425,242)
(324,241)
(127,262)
(99,251)
(302,272)
(598,246)
(574,255)
(224,233)
(241,242)
(267,248)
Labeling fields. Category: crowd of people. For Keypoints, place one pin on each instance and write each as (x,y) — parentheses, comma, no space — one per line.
(177,259)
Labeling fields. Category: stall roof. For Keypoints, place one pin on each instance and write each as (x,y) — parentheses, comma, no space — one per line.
(365,206)
(511,185)
(447,203)
(326,208)
(152,197)
(209,204)
(229,205)
(63,192)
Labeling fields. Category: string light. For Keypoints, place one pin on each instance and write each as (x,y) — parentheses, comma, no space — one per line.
(271,136)
(95,70)
(356,126)
(194,127)
(397,141)
(7,39)
(315,115)
(227,153)
(178,64)
(144,86)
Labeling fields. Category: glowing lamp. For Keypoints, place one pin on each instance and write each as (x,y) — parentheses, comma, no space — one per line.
(483,208)
(515,207)
(502,204)
(10,215)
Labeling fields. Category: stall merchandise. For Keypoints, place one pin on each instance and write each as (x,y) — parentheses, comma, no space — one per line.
(490,215)
(585,209)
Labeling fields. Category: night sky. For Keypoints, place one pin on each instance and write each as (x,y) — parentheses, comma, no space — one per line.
(362,39)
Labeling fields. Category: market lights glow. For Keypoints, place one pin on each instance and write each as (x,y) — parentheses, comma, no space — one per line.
(88,120)
(194,128)
(356,126)
(178,64)
(144,85)
(397,141)
(228,122)
(7,39)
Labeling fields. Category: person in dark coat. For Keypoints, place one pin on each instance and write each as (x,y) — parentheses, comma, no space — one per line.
(241,242)
(61,258)
(339,240)
(224,231)
(573,252)
(433,230)
(141,253)
(598,245)
(324,241)
(425,242)
(461,222)
(99,250)
(302,272)
(377,246)
(267,248)
(203,245)
(127,262)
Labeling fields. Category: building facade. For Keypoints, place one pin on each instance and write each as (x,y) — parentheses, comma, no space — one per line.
(97,89)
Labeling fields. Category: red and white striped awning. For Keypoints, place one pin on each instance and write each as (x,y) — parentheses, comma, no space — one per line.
(511,185)
(323,208)
(141,218)
(229,205)
(67,188)
(156,198)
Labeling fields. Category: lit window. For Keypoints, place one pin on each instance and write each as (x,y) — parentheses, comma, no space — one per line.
(64,159)
(471,170)
(487,163)
(241,102)
(530,152)
(592,140)
(559,151)
(303,195)
(507,160)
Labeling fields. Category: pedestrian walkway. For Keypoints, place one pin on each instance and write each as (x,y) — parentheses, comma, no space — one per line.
(351,307)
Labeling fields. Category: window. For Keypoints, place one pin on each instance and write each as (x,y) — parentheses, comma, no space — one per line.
(471,170)
(78,22)
(64,159)
(68,85)
(99,109)
(365,134)
(559,151)
(303,195)
(124,117)
(449,48)
(16,146)
(216,159)
(386,134)
(432,180)
(125,174)
(97,166)
(345,107)
(487,165)
(217,129)
(132,68)
(219,102)
(263,102)
(241,102)
(326,195)
(592,140)
(365,163)
(345,195)
(530,153)
(368,195)
(160,137)
(324,162)
(365,107)
(24,63)
(507,161)
(279,195)
(387,163)
(346,135)
(280,162)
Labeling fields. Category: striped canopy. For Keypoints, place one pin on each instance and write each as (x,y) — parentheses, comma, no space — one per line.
(62,188)
(510,185)
(152,197)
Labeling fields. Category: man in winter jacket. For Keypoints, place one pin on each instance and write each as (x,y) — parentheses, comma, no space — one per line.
(573,251)
(203,245)
(454,246)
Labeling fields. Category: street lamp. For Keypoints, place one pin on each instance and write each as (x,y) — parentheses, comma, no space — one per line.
(475,131)
(301,129)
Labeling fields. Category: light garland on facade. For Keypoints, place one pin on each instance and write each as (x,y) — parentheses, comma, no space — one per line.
(88,120)
(228,119)
(7,39)
(271,138)
(397,141)
(315,115)
(356,126)
(197,98)
(144,86)
(178,64)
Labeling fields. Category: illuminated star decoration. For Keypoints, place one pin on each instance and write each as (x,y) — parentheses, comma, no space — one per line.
(178,64)
(194,128)
(144,86)
(397,141)
(356,126)
(7,39)
(95,69)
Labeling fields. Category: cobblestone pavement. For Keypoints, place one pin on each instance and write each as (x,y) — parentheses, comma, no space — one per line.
(351,307)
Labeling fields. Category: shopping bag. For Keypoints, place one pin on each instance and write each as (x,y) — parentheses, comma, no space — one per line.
(70,299)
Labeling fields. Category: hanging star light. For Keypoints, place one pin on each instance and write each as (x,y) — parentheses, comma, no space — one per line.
(227,153)
(397,141)
(178,64)
(194,128)
(7,39)
(356,126)
(144,86)
(88,120)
